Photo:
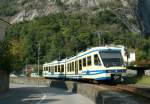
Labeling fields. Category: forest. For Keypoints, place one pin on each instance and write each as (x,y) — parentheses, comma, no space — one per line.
(61,35)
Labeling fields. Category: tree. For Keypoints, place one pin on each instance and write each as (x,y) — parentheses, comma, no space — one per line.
(16,50)
(63,35)
(5,57)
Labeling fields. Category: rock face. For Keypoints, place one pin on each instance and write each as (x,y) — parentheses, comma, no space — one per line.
(29,9)
(125,9)
(144,15)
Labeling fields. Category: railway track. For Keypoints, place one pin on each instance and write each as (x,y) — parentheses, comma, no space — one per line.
(117,87)
(129,89)
(121,87)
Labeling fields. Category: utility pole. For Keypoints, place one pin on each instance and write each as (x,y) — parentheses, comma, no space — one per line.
(38,58)
(59,56)
(38,63)
(26,67)
(65,67)
(99,38)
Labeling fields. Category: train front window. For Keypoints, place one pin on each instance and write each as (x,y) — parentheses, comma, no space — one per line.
(96,60)
(111,58)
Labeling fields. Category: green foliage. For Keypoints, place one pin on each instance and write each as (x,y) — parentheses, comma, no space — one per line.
(8,7)
(5,57)
(63,35)
(143,55)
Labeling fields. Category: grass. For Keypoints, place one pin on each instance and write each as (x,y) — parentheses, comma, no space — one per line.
(144,80)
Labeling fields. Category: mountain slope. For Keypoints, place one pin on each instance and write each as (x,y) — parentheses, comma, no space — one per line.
(17,11)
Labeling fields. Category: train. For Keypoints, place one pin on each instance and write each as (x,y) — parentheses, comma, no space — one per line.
(97,63)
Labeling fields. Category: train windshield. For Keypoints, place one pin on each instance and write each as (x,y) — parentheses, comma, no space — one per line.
(111,58)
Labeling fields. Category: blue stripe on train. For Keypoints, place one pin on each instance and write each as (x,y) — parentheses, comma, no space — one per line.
(103,78)
(99,71)
(94,72)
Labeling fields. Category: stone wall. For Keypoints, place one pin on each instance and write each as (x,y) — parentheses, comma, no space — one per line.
(4,81)
(30,81)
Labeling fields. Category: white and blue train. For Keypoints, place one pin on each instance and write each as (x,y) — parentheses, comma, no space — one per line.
(98,63)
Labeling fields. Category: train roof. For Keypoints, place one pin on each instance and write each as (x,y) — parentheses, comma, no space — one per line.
(97,49)
(94,49)
(55,62)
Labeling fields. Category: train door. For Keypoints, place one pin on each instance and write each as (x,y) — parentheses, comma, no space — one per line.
(76,67)
(53,69)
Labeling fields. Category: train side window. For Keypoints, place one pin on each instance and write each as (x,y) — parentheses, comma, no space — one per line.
(49,69)
(72,66)
(45,68)
(84,62)
(68,67)
(80,64)
(96,60)
(55,68)
(76,65)
(62,68)
(58,68)
(89,61)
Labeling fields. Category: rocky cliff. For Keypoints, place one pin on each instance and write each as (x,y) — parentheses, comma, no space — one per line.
(29,9)
(16,11)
